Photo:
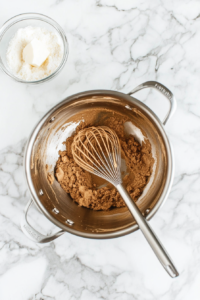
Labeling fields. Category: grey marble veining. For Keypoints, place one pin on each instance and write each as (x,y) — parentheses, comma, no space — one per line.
(113,45)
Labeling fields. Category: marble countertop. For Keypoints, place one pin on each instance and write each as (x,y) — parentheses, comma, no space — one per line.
(113,45)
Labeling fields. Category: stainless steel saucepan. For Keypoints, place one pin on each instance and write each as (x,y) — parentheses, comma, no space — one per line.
(42,149)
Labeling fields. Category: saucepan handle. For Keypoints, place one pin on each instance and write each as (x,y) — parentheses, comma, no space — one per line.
(163,90)
(33,234)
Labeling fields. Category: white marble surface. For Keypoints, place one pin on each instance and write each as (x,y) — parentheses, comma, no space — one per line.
(116,45)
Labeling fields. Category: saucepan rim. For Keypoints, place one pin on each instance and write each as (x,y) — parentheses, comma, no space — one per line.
(170,163)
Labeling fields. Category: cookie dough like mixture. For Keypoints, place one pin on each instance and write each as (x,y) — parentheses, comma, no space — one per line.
(83,187)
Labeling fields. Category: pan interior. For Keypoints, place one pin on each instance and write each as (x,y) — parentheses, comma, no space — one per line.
(61,124)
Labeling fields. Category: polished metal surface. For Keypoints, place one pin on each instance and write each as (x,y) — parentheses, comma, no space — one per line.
(42,149)
(162,89)
(33,234)
(150,236)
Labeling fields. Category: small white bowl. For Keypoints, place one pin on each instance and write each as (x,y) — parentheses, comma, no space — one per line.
(9,29)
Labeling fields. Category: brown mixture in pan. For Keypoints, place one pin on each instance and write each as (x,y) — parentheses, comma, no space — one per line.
(84,187)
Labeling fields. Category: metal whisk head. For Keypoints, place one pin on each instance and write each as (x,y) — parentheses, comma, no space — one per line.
(97,150)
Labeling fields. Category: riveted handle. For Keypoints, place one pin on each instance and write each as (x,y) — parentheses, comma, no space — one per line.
(163,90)
(33,234)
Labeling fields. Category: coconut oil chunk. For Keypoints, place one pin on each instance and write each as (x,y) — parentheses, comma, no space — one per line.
(35,53)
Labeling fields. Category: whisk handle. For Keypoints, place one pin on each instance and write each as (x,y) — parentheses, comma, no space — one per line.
(148,233)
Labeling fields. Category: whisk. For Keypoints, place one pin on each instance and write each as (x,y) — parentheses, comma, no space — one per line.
(98,151)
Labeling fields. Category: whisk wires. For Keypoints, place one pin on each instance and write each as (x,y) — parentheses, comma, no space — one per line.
(97,150)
